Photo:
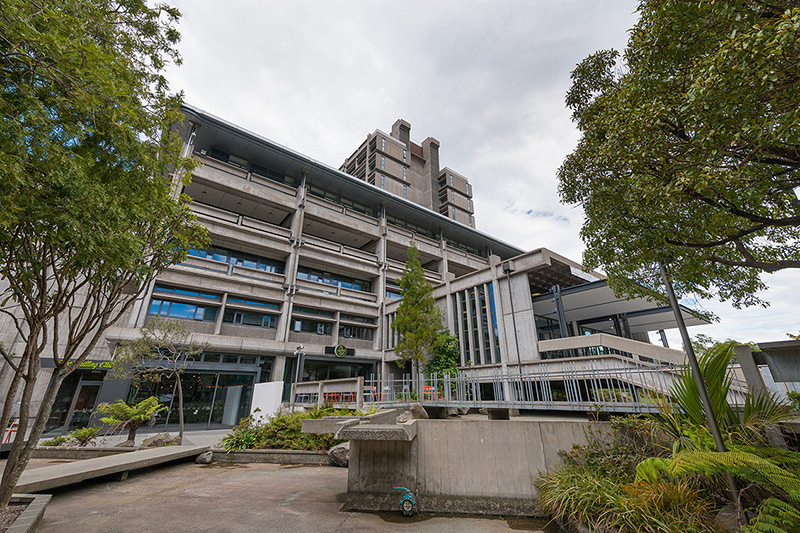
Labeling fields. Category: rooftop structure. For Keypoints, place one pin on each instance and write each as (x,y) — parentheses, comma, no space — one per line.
(395,163)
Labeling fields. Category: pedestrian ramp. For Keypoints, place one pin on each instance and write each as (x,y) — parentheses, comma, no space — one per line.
(48,477)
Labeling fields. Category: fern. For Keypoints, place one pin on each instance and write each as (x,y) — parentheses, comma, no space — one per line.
(747,466)
(649,469)
(775,516)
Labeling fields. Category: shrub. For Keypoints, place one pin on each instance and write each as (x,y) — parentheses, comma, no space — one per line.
(282,432)
(84,436)
(120,415)
(55,441)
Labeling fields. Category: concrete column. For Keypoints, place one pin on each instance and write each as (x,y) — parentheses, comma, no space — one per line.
(278,368)
(755,381)
(296,238)
(218,325)
(380,251)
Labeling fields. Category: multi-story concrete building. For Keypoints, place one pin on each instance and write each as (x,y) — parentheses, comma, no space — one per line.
(300,282)
(397,164)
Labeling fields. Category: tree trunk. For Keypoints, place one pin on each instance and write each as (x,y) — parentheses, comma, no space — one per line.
(132,431)
(180,406)
(20,453)
(8,405)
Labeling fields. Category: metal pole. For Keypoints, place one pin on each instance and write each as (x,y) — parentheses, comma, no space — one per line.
(698,377)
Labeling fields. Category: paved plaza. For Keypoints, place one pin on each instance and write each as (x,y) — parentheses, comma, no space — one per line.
(238,497)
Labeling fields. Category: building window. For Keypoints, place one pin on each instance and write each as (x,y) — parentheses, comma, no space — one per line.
(185,292)
(328,278)
(405,191)
(453,213)
(249,318)
(451,180)
(469,204)
(467,188)
(494,324)
(470,221)
(202,313)
(252,302)
(383,181)
(453,196)
(405,156)
(237,258)
(383,163)
(355,332)
(312,326)
(405,173)
(383,144)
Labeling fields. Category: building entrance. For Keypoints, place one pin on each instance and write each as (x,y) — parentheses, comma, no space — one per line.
(75,401)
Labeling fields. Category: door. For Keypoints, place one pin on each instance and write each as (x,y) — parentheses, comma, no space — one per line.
(83,406)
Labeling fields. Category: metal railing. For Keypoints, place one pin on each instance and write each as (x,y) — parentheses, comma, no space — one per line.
(594,385)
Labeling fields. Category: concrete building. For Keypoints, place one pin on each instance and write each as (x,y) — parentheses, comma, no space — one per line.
(300,282)
(397,164)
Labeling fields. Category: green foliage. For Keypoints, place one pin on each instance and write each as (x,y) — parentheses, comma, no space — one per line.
(595,485)
(130,417)
(84,436)
(418,320)
(684,418)
(283,432)
(446,355)
(767,468)
(689,149)
(794,398)
(89,158)
(617,453)
(55,441)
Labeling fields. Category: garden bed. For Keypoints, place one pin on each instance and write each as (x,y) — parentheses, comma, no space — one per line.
(286,457)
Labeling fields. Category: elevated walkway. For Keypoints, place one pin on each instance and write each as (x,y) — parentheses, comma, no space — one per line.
(59,475)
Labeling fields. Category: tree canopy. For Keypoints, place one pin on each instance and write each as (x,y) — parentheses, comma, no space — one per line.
(89,161)
(418,320)
(690,149)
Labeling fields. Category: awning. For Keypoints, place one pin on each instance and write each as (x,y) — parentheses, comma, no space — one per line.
(594,304)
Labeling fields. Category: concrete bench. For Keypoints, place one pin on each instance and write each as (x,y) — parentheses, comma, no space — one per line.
(49,477)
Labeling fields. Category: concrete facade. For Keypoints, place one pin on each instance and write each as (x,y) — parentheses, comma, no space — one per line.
(504,458)
(397,164)
(300,281)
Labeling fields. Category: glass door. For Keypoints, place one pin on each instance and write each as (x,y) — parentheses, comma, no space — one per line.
(83,406)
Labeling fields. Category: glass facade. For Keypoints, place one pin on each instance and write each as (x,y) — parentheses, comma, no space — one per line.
(475,320)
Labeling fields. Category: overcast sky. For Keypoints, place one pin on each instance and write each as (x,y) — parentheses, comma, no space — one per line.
(485,78)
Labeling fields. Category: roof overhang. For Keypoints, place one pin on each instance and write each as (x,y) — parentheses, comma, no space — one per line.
(216,132)
(594,303)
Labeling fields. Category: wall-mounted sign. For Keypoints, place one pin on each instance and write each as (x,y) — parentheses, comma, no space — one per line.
(340,350)
(94,365)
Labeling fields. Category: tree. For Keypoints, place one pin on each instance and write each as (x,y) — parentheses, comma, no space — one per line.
(446,356)
(163,350)
(89,162)
(418,320)
(130,417)
(690,150)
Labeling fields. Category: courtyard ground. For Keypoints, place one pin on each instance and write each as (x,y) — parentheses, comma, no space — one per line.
(233,498)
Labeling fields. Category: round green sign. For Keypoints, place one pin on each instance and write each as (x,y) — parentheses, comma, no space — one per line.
(340,351)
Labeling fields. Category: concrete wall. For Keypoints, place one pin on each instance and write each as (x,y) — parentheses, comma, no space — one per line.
(461,466)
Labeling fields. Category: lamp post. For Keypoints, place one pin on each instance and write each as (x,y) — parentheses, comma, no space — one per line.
(698,377)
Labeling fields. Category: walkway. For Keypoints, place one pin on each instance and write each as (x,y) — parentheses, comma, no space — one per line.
(59,475)
(239,498)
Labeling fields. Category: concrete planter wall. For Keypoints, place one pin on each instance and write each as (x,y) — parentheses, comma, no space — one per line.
(28,521)
(286,457)
(468,466)
(68,452)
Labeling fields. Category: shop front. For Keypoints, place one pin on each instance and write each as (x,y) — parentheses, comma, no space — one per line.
(78,396)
